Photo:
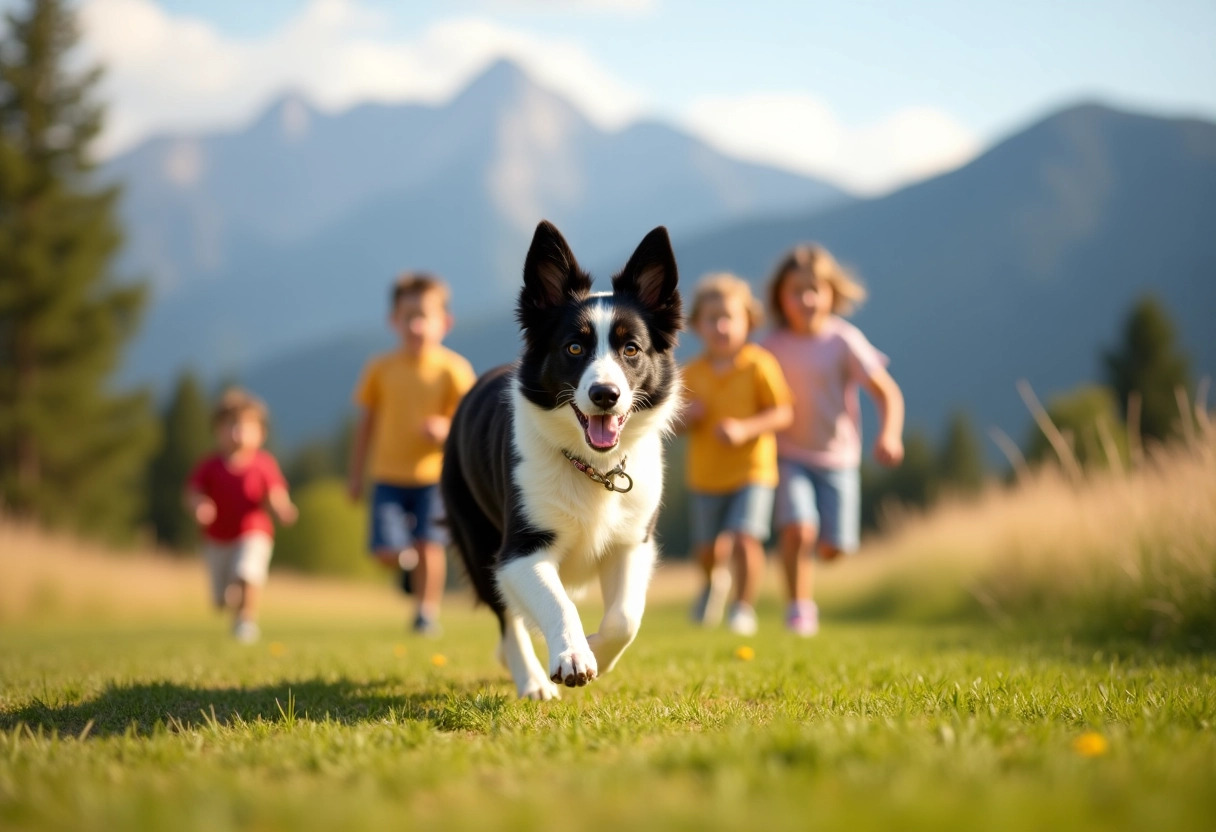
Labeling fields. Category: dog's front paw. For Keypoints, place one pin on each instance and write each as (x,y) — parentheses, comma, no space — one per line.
(573,667)
(540,690)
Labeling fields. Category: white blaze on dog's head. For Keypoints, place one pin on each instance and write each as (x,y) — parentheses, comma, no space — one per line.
(603,394)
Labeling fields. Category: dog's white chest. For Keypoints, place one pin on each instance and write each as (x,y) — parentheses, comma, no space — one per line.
(588,520)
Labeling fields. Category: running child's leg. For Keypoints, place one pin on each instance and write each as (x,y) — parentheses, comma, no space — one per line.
(749,567)
(706,516)
(251,567)
(797,517)
(389,538)
(248,601)
(714,559)
(430,576)
(706,558)
(749,520)
(219,558)
(838,500)
(429,541)
(797,544)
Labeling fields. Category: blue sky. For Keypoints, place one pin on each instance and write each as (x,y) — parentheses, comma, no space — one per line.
(870,93)
(990,64)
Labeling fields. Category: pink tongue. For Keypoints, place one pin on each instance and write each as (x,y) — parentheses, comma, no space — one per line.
(603,429)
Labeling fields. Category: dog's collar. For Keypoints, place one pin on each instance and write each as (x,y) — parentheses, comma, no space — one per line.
(605,479)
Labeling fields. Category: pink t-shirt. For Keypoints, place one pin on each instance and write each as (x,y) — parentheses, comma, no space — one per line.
(823,372)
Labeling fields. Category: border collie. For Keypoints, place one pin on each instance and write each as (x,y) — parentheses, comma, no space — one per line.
(553,469)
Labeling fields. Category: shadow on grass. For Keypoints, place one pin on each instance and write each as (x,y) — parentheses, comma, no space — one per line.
(143,709)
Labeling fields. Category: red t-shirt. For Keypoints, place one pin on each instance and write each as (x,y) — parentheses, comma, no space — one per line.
(239,494)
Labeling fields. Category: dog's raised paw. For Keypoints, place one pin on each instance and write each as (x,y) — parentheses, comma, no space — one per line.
(574,667)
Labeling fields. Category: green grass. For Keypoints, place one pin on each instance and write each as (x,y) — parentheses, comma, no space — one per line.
(347,724)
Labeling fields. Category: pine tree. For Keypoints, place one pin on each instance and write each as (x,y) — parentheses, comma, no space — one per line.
(186,431)
(71,452)
(1147,361)
(960,463)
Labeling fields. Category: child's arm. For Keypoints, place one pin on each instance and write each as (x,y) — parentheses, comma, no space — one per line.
(200,506)
(691,412)
(436,428)
(889,447)
(283,507)
(736,432)
(358,453)
(461,379)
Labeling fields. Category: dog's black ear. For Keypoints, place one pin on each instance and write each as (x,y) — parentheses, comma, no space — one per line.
(551,275)
(651,277)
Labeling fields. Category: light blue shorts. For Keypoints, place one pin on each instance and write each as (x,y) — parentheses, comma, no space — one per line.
(827,498)
(746,511)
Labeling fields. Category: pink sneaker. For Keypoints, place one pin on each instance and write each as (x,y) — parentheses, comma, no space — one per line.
(802,618)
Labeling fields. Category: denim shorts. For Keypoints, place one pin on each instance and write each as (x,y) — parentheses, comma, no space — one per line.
(401,515)
(827,498)
(746,511)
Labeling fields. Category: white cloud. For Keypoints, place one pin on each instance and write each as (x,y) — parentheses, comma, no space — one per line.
(799,131)
(627,7)
(170,72)
(167,72)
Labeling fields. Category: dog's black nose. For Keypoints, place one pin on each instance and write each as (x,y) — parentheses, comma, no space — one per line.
(604,395)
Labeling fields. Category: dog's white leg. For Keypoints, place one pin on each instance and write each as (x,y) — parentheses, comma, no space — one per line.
(624,576)
(520,658)
(531,587)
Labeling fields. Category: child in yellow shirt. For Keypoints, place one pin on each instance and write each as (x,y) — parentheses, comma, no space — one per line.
(407,398)
(737,399)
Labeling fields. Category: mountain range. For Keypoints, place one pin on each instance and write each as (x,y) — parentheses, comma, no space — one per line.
(271,249)
(1023,263)
(267,239)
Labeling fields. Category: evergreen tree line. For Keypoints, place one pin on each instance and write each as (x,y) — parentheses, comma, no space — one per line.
(1091,417)
(1145,372)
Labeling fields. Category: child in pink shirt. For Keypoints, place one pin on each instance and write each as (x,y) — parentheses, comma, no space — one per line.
(825,360)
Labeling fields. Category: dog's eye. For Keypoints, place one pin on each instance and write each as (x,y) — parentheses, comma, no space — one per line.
(574,348)
(630,350)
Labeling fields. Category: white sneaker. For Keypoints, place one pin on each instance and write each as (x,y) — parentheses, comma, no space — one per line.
(246,632)
(742,620)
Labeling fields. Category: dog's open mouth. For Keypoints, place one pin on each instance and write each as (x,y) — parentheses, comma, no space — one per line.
(602,430)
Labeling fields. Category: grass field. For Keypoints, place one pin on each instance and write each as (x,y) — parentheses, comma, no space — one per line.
(340,724)
(977,696)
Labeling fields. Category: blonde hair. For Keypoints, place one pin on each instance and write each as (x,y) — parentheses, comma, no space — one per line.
(235,403)
(726,286)
(815,260)
(417,284)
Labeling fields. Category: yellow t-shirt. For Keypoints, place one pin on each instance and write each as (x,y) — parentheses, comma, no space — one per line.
(753,383)
(402,391)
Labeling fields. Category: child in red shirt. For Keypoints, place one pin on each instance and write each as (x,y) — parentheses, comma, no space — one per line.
(227,494)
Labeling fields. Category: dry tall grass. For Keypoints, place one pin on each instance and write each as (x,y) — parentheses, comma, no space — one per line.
(48,576)
(1131,552)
